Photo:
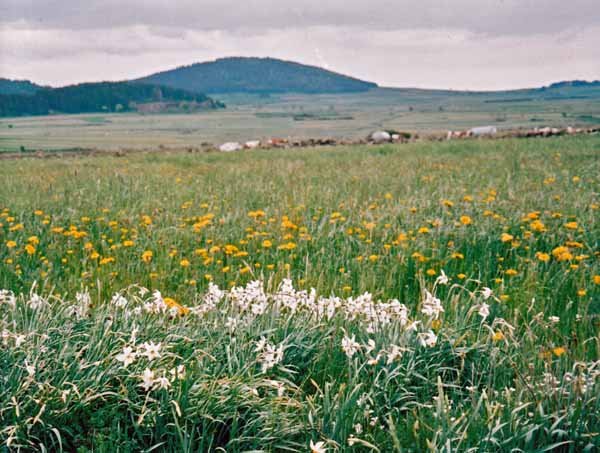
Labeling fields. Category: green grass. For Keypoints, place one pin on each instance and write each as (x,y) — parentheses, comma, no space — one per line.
(385,220)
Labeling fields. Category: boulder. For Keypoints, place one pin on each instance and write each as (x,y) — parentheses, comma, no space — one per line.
(229,147)
(381,137)
(252,144)
(483,130)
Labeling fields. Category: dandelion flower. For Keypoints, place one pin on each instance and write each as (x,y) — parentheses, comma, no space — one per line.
(147,256)
(559,351)
(543,257)
(498,336)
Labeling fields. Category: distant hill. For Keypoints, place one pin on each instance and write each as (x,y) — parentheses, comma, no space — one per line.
(104,97)
(575,83)
(256,75)
(8,86)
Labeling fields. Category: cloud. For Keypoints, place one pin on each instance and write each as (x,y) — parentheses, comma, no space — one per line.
(483,16)
(465,44)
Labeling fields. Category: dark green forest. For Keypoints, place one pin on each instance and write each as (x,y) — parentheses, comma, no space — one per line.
(8,86)
(95,97)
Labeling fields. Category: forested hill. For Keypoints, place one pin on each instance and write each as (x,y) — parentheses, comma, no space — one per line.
(257,75)
(8,86)
(575,84)
(101,97)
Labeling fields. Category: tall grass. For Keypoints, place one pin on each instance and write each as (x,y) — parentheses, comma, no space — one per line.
(519,217)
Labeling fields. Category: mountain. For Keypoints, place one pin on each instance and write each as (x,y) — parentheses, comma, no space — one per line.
(104,97)
(256,75)
(8,86)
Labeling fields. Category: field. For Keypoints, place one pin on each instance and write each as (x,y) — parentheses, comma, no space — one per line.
(419,297)
(306,116)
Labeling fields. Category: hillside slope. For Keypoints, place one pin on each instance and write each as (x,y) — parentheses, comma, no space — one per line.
(256,75)
(103,97)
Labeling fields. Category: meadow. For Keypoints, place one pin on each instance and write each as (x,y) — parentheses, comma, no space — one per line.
(301,116)
(417,297)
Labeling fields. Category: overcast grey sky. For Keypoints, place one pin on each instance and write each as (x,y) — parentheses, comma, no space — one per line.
(460,44)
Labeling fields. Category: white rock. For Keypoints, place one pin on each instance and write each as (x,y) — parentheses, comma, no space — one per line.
(381,137)
(229,147)
(483,130)
(252,144)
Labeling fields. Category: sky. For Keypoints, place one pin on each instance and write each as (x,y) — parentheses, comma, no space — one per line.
(454,44)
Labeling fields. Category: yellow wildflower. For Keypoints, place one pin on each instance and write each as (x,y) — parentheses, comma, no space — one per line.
(558,351)
(147,256)
(544,257)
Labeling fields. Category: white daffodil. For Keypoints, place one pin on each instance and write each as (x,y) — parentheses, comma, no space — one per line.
(151,350)
(350,346)
(7,297)
(370,346)
(162,383)
(442,279)
(177,373)
(30,369)
(317,447)
(119,301)
(19,340)
(260,344)
(432,306)
(428,339)
(484,310)
(394,354)
(147,379)
(127,356)
(271,356)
